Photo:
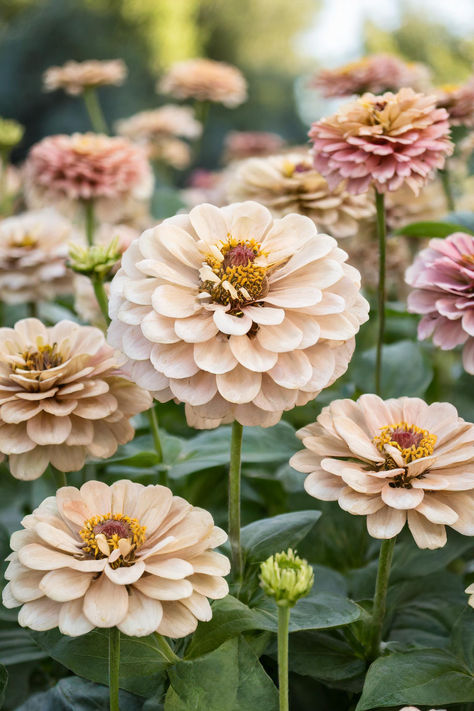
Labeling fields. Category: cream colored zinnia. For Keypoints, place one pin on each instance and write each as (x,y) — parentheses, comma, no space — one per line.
(396,461)
(63,397)
(33,254)
(289,183)
(75,77)
(205,80)
(128,555)
(236,314)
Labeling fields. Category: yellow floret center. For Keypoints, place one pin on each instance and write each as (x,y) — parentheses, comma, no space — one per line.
(43,358)
(102,535)
(27,241)
(232,274)
(411,441)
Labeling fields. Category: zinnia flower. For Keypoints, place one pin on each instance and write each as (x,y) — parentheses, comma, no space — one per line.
(443,277)
(393,461)
(458,102)
(376,73)
(238,315)
(75,77)
(289,183)
(62,397)
(470,591)
(128,555)
(382,140)
(33,253)
(113,172)
(205,80)
(239,145)
(168,120)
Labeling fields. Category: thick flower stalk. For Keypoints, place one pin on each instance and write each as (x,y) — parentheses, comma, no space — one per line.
(289,183)
(63,397)
(128,556)
(443,279)
(396,461)
(236,314)
(205,80)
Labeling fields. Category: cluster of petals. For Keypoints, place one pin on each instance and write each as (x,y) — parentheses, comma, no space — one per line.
(385,140)
(205,80)
(376,73)
(33,254)
(239,145)
(394,461)
(235,350)
(63,397)
(289,183)
(443,279)
(75,77)
(128,556)
(458,102)
(64,170)
(168,120)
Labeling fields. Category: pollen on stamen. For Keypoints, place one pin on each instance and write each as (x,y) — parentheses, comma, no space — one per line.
(411,441)
(104,534)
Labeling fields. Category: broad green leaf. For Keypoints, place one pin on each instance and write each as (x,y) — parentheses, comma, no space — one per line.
(141,664)
(409,560)
(271,535)
(74,694)
(430,677)
(16,646)
(432,229)
(228,679)
(3,683)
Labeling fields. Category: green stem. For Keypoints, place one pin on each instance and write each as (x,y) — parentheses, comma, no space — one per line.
(382,237)
(165,649)
(101,296)
(447,187)
(155,433)
(380,597)
(94,110)
(114,667)
(90,221)
(234,499)
(283,623)
(59,476)
(201,111)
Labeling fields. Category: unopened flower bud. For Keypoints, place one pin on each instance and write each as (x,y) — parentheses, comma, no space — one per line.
(96,260)
(286,577)
(11,133)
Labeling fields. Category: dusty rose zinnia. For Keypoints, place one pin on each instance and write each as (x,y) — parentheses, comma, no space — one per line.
(65,170)
(289,183)
(238,315)
(128,555)
(75,77)
(443,277)
(205,80)
(458,102)
(394,461)
(239,145)
(382,140)
(168,120)
(33,254)
(376,73)
(63,397)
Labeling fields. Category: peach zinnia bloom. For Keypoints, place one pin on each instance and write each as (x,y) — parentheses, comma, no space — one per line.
(458,102)
(205,80)
(131,556)
(382,140)
(75,77)
(33,254)
(289,183)
(64,170)
(376,73)
(393,461)
(168,120)
(63,397)
(238,315)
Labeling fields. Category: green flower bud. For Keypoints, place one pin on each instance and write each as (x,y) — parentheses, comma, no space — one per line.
(97,260)
(286,577)
(11,133)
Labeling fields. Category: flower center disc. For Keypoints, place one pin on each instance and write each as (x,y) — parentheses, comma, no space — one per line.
(410,440)
(102,535)
(43,358)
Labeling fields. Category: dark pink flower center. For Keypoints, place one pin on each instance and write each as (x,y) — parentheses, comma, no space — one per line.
(239,256)
(113,528)
(406,439)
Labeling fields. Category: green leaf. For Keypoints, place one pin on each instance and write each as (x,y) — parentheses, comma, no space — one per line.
(74,694)
(3,683)
(142,667)
(428,677)
(16,646)
(271,535)
(432,229)
(228,679)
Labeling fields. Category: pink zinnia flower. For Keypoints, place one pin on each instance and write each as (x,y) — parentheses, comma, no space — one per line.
(458,102)
(443,277)
(385,140)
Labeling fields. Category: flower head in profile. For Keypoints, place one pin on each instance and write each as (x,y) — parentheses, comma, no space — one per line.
(385,140)
(289,183)
(168,120)
(76,77)
(205,80)
(128,556)
(458,100)
(394,461)
(239,145)
(63,397)
(33,253)
(443,279)
(376,73)
(286,577)
(65,170)
(236,314)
